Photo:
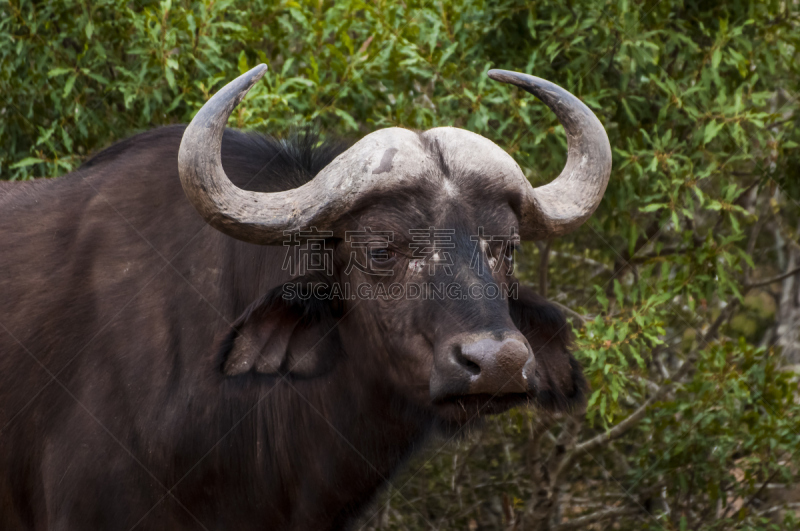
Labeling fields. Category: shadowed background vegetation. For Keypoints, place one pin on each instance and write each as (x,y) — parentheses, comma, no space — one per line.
(683,289)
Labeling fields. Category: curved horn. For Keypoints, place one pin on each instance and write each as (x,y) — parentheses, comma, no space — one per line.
(224,206)
(375,163)
(564,204)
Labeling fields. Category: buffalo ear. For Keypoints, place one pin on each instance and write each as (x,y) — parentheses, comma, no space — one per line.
(561,385)
(290,330)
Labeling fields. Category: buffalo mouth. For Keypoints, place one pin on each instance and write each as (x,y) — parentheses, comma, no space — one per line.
(463,409)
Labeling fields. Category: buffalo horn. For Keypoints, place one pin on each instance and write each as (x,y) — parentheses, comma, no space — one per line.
(255,217)
(565,203)
(378,162)
(373,164)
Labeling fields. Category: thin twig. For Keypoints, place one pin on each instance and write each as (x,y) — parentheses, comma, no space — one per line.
(578,258)
(772,280)
(756,494)
(571,313)
(583,521)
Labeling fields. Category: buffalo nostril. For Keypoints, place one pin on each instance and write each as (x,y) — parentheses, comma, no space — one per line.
(483,364)
(469,365)
(495,363)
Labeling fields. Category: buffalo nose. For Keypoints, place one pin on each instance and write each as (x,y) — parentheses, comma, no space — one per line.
(484,365)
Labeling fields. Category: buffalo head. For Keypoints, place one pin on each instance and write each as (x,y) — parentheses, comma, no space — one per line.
(424,292)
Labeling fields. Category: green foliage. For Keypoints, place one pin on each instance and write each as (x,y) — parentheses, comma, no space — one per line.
(700,103)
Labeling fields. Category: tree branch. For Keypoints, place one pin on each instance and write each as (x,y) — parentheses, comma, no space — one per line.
(578,258)
(772,280)
(756,494)
(634,418)
(571,313)
(763,215)
(787,506)
(666,251)
(583,521)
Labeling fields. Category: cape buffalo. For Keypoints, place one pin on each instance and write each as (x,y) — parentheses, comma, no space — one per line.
(161,369)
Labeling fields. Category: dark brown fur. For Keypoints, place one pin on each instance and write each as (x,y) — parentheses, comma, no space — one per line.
(114,410)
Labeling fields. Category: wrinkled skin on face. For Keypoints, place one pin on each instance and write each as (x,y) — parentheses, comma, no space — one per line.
(421,287)
(453,347)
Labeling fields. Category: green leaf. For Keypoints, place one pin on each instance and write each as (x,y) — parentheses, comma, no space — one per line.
(27,161)
(447,53)
(652,207)
(711,131)
(344,115)
(619,293)
(58,72)
(170,76)
(69,84)
(242,63)
(715,58)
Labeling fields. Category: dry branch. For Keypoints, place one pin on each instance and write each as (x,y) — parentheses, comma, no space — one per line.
(583,521)
(769,281)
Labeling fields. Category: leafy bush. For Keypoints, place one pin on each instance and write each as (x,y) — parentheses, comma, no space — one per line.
(683,288)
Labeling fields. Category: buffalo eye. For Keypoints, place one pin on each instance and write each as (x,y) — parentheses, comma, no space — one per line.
(508,252)
(381,256)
